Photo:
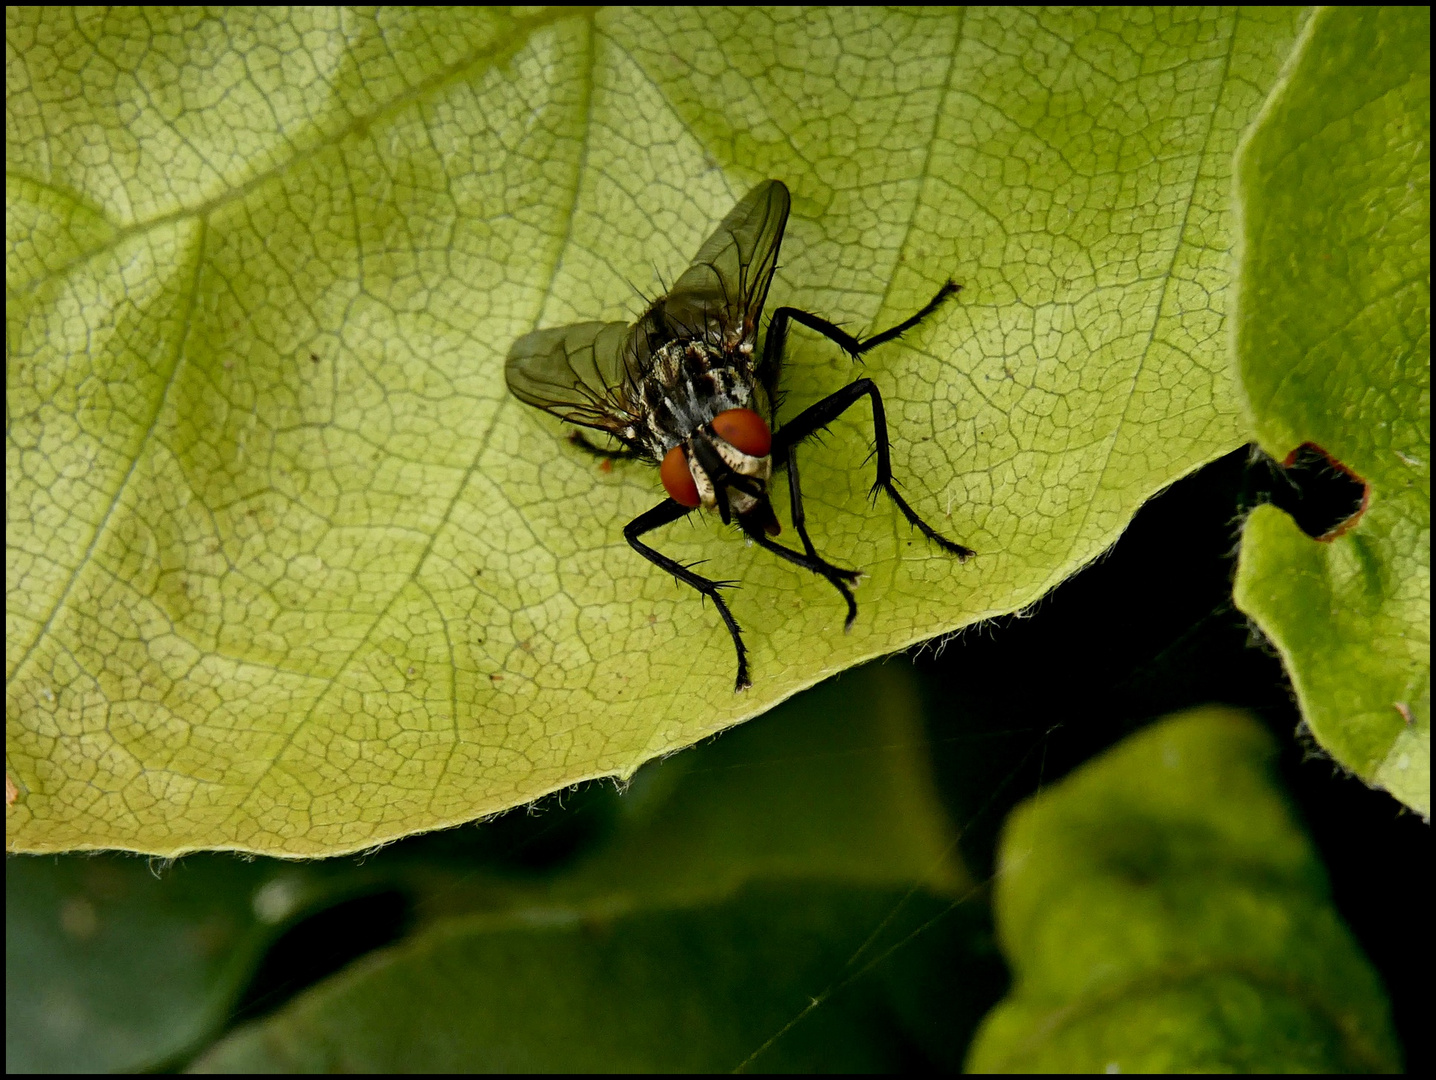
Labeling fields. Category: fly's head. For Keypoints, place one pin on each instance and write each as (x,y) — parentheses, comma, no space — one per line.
(725,465)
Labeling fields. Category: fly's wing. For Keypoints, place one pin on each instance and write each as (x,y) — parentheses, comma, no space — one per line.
(585,373)
(725,288)
(575,372)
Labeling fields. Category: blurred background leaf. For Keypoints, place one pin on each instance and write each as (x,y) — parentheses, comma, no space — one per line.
(113,963)
(1162,911)
(664,991)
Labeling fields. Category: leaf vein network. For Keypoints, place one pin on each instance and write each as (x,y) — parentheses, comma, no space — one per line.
(161,401)
(503,46)
(1158,308)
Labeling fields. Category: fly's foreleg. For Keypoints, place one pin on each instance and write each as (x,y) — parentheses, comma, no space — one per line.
(836,576)
(816,417)
(662,514)
(800,526)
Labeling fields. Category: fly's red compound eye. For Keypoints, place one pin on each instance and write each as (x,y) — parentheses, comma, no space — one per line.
(677,480)
(745,431)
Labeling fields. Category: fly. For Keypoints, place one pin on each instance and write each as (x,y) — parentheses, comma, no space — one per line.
(687,389)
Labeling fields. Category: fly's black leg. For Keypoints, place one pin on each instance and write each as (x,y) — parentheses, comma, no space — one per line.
(819,416)
(813,562)
(778,334)
(800,526)
(662,514)
(580,440)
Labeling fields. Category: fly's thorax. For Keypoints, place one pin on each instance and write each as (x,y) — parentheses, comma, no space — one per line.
(689,383)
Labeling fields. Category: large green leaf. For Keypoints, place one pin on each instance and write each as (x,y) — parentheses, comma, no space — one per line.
(1163,911)
(287,570)
(1334,345)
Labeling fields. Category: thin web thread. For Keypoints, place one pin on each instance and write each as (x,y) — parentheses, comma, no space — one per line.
(845,980)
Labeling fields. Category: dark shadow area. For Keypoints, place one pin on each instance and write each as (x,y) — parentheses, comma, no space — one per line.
(1323,496)
(318,946)
(528,840)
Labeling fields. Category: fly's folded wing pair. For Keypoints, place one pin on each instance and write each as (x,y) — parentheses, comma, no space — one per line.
(582,373)
(574,372)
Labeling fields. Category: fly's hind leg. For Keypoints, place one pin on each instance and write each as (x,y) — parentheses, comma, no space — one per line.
(816,417)
(662,514)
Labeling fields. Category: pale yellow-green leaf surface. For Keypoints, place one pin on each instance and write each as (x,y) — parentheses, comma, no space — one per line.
(289,572)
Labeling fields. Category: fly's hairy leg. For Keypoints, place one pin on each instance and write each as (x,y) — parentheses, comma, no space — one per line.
(839,577)
(816,417)
(854,347)
(777,340)
(580,440)
(664,513)
(812,562)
